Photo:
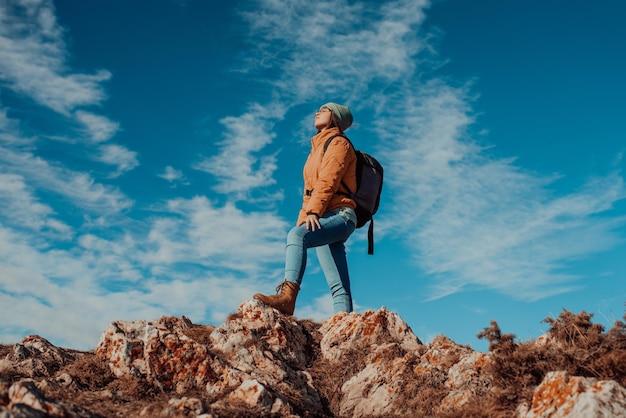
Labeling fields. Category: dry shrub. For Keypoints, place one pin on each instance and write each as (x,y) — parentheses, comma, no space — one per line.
(329,376)
(586,349)
(233,316)
(323,372)
(94,387)
(573,344)
(5,350)
(90,372)
(200,333)
(421,392)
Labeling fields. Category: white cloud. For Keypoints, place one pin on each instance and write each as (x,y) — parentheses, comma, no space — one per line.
(330,49)
(123,158)
(80,188)
(138,273)
(9,130)
(479,220)
(33,56)
(171,174)
(319,309)
(98,128)
(219,237)
(21,209)
(239,166)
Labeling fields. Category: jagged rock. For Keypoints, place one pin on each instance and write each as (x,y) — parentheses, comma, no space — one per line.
(257,344)
(465,379)
(563,396)
(269,350)
(351,331)
(255,394)
(381,387)
(25,400)
(259,326)
(35,356)
(158,351)
(262,363)
(374,390)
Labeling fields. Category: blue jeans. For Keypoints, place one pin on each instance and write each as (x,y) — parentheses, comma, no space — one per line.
(331,252)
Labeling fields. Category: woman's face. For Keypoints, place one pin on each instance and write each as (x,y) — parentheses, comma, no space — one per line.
(323,117)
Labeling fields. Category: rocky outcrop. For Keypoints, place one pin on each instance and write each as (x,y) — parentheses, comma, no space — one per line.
(561,395)
(262,363)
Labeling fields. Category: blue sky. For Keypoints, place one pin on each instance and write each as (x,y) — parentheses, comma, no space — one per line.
(151,156)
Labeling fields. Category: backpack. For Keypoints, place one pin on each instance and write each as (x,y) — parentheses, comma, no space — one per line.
(369,185)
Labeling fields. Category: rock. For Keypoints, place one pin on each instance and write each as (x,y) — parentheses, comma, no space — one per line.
(351,331)
(158,351)
(563,396)
(262,363)
(25,400)
(35,356)
(257,344)
(373,391)
(256,325)
(381,387)
(465,379)
(269,351)
(253,393)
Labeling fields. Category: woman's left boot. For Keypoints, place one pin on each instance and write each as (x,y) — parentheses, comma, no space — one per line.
(285,298)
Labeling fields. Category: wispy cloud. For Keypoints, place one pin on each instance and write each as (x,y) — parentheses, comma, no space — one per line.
(331,49)
(98,128)
(319,309)
(239,165)
(171,174)
(122,157)
(478,220)
(34,65)
(79,188)
(201,263)
(71,251)
(33,58)
(20,209)
(74,293)
(225,237)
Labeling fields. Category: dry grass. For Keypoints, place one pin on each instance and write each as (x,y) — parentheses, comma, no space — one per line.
(5,350)
(573,343)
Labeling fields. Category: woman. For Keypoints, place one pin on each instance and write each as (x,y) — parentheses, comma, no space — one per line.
(327,217)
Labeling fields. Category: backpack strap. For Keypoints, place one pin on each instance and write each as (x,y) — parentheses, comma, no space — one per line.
(370,237)
(326,144)
(370,229)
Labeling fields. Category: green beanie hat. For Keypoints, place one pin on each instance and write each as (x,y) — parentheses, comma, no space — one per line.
(342,114)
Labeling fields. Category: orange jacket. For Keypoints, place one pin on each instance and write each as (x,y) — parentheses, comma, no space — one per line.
(323,173)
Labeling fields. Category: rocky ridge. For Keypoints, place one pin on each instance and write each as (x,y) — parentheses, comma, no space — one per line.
(262,363)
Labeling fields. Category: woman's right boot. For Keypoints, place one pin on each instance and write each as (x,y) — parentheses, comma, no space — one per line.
(285,298)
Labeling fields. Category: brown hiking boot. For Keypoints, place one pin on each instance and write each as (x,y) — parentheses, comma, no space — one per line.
(285,298)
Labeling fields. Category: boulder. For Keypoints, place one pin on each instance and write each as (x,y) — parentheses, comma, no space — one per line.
(563,396)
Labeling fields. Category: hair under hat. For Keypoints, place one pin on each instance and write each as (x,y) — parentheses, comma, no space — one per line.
(342,114)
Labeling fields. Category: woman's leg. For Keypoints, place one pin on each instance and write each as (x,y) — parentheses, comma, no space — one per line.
(335,229)
(333,260)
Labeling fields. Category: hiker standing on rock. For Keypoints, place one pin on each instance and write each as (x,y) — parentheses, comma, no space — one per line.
(327,217)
